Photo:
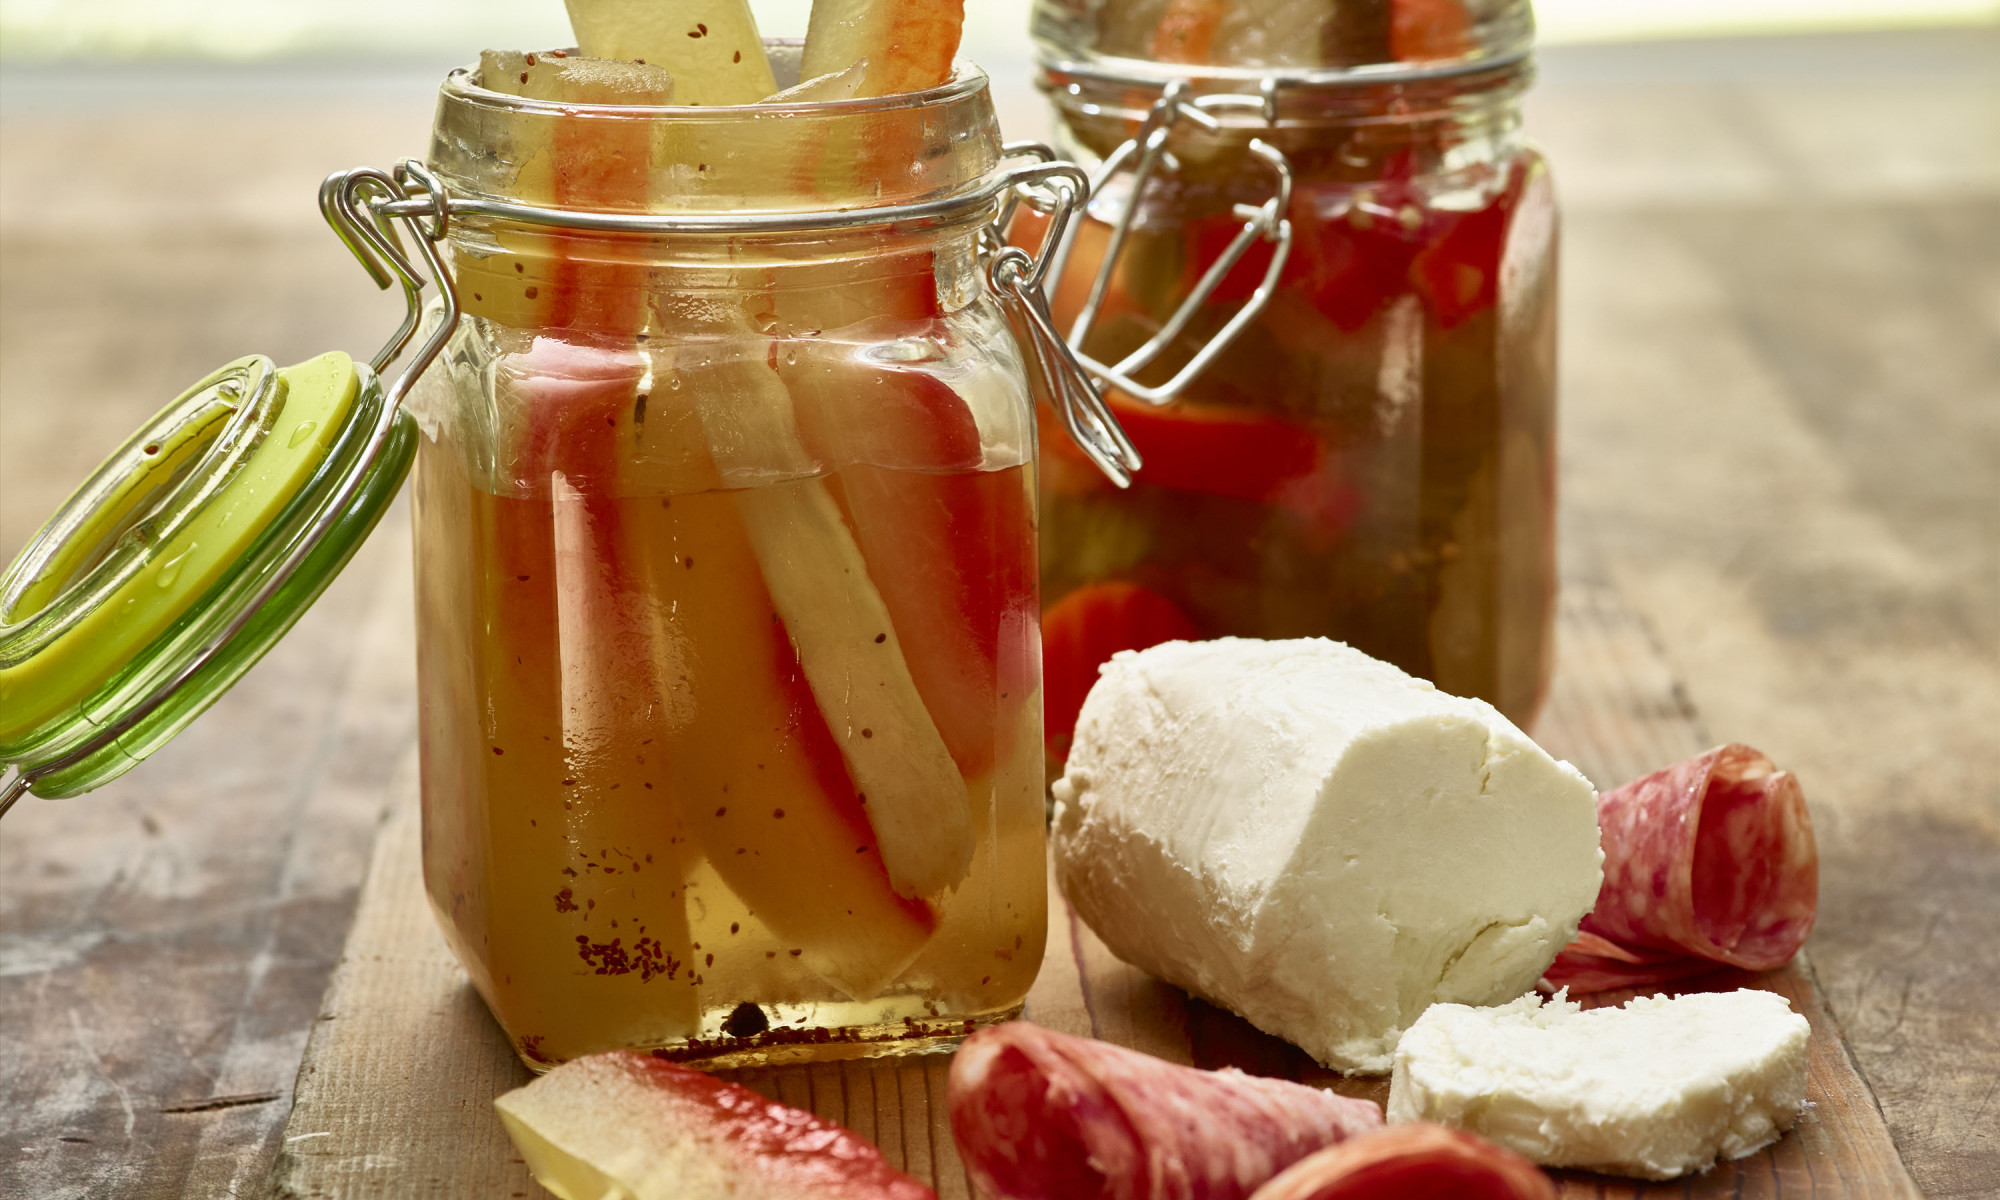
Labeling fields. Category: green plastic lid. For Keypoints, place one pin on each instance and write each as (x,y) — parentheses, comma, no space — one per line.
(183,558)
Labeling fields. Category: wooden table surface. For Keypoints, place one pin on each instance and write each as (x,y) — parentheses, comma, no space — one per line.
(1781,440)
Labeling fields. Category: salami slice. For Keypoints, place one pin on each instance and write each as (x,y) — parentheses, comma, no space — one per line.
(1419,1161)
(1708,863)
(1039,1114)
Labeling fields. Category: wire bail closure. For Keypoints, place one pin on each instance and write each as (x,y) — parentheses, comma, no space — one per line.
(1266,222)
(360,204)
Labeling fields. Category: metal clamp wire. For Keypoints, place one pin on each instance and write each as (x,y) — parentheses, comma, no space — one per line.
(1265,222)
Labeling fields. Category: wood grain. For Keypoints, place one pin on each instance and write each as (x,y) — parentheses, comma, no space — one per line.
(394,1098)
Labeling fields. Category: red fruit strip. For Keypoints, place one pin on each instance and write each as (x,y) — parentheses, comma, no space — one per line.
(1708,863)
(775,1149)
(1039,1114)
(1411,1162)
(1429,29)
(1083,630)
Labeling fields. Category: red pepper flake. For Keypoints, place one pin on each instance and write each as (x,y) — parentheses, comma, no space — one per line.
(519,268)
(565,901)
(532,60)
(880,638)
(688,562)
(779,813)
(524,77)
(723,809)
(738,58)
(569,783)
(868,733)
(985,979)
(477,296)
(796,953)
(733,927)
(533,292)
(708,960)
(861,849)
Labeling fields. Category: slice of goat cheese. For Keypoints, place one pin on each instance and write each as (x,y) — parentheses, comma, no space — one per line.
(1656,1089)
(1317,841)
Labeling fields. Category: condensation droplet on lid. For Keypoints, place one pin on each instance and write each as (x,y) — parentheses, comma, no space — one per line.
(170,570)
(303,432)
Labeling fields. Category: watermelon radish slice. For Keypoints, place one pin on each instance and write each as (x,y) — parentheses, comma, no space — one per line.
(951,549)
(628,1125)
(752,764)
(848,645)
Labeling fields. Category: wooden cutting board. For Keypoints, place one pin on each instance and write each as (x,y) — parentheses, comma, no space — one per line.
(394,1096)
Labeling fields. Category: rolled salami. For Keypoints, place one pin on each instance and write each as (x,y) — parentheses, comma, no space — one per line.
(1418,1161)
(1039,1114)
(1707,863)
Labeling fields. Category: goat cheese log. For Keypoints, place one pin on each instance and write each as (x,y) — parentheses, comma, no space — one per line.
(1656,1089)
(1411,1162)
(1708,863)
(1317,841)
(1038,1114)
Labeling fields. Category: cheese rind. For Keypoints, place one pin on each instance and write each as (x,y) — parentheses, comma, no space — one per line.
(1317,841)
(1656,1089)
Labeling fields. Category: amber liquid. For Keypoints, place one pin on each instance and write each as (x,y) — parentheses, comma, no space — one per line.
(639,828)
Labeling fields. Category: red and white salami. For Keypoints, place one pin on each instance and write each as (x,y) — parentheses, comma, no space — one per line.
(1418,1161)
(1039,1115)
(1708,863)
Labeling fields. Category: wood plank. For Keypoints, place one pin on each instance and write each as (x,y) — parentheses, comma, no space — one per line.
(395,1094)
(394,1098)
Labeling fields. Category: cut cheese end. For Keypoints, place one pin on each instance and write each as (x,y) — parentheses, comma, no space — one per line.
(710,46)
(573,79)
(1656,1089)
(1317,841)
(916,799)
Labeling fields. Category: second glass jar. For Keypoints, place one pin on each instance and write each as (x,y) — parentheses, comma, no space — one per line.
(1373,459)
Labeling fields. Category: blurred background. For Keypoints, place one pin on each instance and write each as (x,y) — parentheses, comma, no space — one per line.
(1781,445)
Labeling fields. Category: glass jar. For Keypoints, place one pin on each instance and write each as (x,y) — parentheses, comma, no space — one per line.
(1372,459)
(725,530)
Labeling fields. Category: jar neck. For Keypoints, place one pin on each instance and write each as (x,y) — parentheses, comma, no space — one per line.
(715,160)
(1343,126)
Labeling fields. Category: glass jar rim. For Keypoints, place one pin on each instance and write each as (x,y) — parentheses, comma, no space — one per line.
(967,78)
(1115,71)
